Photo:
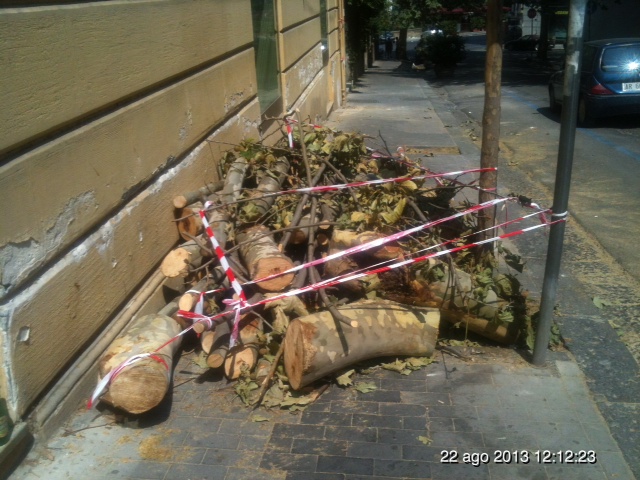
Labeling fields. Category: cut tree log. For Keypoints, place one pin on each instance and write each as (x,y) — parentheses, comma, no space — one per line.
(301,236)
(190,223)
(176,262)
(340,266)
(206,340)
(245,354)
(261,256)
(142,385)
(220,345)
(219,217)
(239,358)
(343,239)
(313,348)
(269,184)
(188,198)
(456,302)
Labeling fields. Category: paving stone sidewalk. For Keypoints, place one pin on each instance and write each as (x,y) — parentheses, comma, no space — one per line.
(491,417)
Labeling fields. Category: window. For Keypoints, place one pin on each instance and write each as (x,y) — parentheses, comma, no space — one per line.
(266,51)
(323,32)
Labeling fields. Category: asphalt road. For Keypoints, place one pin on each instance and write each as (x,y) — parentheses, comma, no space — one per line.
(605,187)
(604,203)
(598,303)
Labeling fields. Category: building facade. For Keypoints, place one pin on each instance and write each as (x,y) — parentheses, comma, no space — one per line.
(110,109)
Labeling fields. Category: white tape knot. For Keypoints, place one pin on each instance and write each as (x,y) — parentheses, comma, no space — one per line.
(237,305)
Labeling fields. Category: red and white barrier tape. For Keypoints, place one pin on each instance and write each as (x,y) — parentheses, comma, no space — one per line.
(380,181)
(109,378)
(242,299)
(199,317)
(381,241)
(354,276)
(289,132)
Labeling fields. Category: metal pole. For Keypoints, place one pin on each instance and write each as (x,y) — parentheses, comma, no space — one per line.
(570,90)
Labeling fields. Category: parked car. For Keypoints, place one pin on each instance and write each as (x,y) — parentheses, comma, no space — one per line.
(527,43)
(609,80)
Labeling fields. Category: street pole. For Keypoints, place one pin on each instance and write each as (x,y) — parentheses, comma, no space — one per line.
(570,91)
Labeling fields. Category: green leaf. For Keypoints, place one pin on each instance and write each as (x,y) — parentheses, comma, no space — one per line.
(409,185)
(390,217)
(419,362)
(396,366)
(345,380)
(600,303)
(511,259)
(201,361)
(365,387)
(505,317)
(400,207)
(425,440)
(258,418)
(292,400)
(358,217)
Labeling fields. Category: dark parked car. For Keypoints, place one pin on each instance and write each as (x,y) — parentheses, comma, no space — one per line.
(527,43)
(609,80)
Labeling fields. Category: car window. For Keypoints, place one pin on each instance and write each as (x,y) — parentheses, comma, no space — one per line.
(621,59)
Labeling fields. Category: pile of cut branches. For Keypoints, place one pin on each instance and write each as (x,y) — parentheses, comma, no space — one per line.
(317,253)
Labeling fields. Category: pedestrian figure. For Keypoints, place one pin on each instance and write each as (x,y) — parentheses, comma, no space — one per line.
(388,45)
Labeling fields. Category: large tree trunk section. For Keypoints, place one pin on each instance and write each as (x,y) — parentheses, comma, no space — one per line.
(143,384)
(263,258)
(177,261)
(313,347)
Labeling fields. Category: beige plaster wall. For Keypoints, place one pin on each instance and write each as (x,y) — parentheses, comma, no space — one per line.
(112,109)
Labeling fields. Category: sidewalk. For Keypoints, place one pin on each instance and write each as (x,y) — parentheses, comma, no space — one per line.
(496,417)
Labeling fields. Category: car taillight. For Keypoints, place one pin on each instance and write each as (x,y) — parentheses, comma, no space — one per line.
(600,90)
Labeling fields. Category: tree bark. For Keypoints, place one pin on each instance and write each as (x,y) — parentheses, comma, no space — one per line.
(188,198)
(263,258)
(272,183)
(343,239)
(490,150)
(143,384)
(313,348)
(219,217)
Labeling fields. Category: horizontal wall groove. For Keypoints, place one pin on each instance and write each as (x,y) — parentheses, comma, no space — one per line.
(61,130)
(127,196)
(297,24)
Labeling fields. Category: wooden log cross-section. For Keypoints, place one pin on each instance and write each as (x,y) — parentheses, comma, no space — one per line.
(313,347)
(142,385)
(262,258)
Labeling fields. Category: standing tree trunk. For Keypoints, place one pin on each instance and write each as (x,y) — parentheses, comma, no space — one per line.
(491,115)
